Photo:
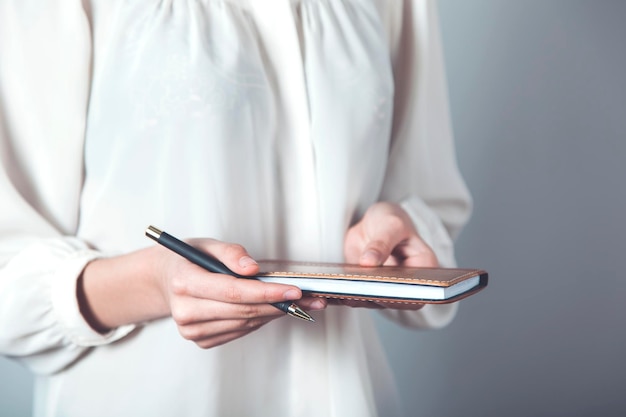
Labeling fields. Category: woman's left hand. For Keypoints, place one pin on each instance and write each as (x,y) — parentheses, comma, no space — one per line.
(386,236)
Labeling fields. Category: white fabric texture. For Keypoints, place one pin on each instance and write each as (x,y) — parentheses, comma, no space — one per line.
(273,124)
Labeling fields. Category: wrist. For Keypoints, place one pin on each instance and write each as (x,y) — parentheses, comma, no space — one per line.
(121,290)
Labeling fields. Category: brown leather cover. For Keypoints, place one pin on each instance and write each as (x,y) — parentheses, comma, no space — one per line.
(441,277)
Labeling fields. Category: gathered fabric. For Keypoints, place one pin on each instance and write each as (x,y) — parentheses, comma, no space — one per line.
(274,124)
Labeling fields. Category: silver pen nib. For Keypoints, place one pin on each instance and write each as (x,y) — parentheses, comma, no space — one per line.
(296,311)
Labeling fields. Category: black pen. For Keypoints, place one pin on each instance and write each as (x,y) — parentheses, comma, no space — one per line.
(211,264)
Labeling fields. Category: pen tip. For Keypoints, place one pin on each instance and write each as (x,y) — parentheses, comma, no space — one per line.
(297,312)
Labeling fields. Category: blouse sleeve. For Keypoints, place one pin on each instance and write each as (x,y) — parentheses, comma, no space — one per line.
(423,174)
(45,56)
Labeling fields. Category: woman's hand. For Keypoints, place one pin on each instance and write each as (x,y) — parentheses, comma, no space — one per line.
(386,236)
(209,309)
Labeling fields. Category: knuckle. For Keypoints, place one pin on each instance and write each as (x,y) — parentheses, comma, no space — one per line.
(353,232)
(182,316)
(381,245)
(395,222)
(255,325)
(431,259)
(269,295)
(248,311)
(251,324)
(179,285)
(206,344)
(234,250)
(189,333)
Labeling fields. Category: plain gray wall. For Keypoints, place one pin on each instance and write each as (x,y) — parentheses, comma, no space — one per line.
(538,94)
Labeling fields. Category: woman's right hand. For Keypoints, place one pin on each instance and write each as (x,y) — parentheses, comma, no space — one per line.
(209,309)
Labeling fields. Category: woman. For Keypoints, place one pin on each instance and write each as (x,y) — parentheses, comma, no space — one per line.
(307,130)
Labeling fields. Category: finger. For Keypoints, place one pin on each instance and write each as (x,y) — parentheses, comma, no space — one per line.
(214,329)
(198,283)
(188,311)
(354,243)
(379,249)
(371,243)
(383,227)
(370,248)
(214,333)
(212,342)
(415,252)
(384,237)
(233,255)
(313,303)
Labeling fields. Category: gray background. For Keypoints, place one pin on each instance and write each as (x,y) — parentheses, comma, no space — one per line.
(538,96)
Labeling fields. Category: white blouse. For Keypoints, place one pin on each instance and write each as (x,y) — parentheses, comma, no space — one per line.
(273,124)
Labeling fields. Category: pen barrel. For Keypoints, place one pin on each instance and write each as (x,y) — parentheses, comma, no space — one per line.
(283,306)
(194,255)
(207,262)
(212,264)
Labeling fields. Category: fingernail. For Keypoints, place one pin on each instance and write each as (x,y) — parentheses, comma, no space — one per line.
(318,305)
(371,257)
(291,294)
(246,261)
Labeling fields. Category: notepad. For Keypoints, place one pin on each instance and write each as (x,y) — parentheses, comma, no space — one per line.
(383,283)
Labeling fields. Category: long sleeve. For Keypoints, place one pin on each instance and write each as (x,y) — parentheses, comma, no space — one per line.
(44,84)
(270,127)
(422,172)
